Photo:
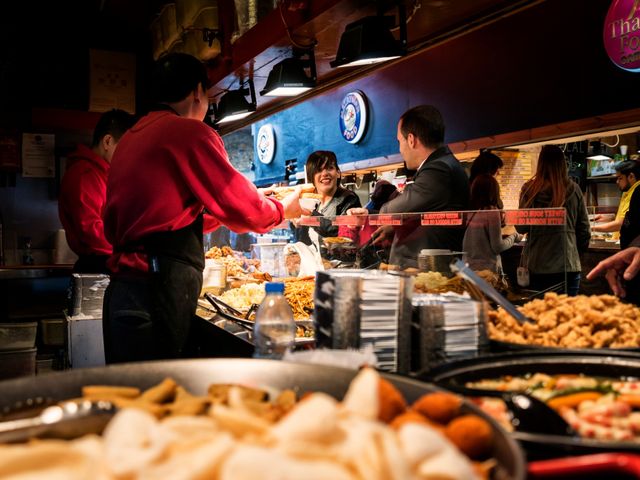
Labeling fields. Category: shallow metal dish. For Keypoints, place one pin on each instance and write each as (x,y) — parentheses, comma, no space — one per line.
(197,375)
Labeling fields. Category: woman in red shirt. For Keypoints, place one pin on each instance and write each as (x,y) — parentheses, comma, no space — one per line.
(170,180)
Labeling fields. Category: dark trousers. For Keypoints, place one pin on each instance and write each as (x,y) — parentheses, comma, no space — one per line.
(542,281)
(148,318)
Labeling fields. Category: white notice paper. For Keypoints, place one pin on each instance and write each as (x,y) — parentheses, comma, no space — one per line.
(38,155)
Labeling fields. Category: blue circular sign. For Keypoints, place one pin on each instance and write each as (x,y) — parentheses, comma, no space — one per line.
(353,117)
(265,143)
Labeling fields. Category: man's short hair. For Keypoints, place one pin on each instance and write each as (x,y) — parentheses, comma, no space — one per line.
(426,123)
(628,167)
(175,76)
(114,122)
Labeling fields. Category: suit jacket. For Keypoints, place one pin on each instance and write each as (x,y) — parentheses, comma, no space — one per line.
(441,184)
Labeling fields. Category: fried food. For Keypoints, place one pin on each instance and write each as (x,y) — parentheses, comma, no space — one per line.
(440,407)
(471,434)
(317,439)
(411,416)
(307,190)
(97,392)
(161,393)
(392,402)
(596,321)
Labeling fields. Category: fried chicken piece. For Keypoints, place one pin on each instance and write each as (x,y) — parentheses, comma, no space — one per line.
(440,407)
(471,434)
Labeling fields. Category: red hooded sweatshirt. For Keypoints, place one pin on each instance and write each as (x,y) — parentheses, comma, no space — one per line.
(83,195)
(165,171)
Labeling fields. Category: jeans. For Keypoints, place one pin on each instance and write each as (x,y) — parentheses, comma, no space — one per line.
(149,317)
(542,281)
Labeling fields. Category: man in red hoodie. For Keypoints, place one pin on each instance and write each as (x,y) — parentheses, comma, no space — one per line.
(170,180)
(83,193)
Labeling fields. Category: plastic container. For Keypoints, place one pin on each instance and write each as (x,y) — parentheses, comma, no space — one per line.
(274,331)
(271,258)
(18,363)
(17,336)
(53,331)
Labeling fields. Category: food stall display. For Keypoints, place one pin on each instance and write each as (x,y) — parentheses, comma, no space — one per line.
(596,321)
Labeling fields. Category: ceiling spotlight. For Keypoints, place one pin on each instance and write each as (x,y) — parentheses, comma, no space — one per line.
(598,151)
(234,105)
(369,40)
(289,78)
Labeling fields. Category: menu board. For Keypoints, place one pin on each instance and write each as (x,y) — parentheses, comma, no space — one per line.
(517,169)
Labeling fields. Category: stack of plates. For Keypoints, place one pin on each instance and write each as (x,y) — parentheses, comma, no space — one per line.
(451,327)
(359,308)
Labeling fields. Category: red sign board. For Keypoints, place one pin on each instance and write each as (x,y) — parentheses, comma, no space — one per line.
(309,221)
(621,34)
(535,216)
(442,218)
(348,220)
(385,220)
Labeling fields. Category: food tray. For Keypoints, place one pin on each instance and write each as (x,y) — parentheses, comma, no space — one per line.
(196,375)
(603,363)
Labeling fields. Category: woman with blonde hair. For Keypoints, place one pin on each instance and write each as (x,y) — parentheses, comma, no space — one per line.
(553,252)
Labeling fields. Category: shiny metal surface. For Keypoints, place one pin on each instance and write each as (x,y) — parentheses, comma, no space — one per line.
(197,375)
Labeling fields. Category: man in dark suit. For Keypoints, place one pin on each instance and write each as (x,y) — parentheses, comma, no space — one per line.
(440,184)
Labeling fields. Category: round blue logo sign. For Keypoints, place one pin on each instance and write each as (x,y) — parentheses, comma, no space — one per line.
(265,143)
(353,117)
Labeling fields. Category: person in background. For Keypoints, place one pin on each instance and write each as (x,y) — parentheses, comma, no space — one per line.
(630,228)
(627,176)
(483,241)
(621,271)
(440,184)
(554,251)
(486,162)
(83,193)
(322,168)
(382,193)
(169,170)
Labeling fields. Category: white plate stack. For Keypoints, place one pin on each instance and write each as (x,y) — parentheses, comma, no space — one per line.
(365,308)
(451,327)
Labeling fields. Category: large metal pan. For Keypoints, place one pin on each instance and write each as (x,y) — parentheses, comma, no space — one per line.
(603,363)
(197,375)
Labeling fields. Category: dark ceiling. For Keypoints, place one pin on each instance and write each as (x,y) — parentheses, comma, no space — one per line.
(44,44)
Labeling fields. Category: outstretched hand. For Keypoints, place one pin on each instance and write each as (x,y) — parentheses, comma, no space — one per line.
(622,266)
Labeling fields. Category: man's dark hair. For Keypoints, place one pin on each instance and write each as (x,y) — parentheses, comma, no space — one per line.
(426,123)
(628,167)
(114,122)
(175,76)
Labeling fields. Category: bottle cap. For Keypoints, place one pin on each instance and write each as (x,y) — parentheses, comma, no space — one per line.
(274,287)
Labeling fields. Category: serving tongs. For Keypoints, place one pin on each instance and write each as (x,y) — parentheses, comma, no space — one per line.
(462,270)
(228,312)
(69,419)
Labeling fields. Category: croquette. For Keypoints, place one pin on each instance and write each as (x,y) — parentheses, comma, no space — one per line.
(440,407)
(411,416)
(471,434)
(392,402)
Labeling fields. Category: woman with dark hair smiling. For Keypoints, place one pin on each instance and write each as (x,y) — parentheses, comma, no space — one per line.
(322,169)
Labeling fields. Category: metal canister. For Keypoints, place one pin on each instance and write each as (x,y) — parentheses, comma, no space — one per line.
(336,314)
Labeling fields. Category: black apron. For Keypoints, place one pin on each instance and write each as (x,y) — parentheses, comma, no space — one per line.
(149,317)
(91,264)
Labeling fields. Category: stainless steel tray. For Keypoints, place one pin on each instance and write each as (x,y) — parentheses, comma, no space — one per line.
(197,375)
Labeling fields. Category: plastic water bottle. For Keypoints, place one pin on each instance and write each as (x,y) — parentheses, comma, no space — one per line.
(274,331)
